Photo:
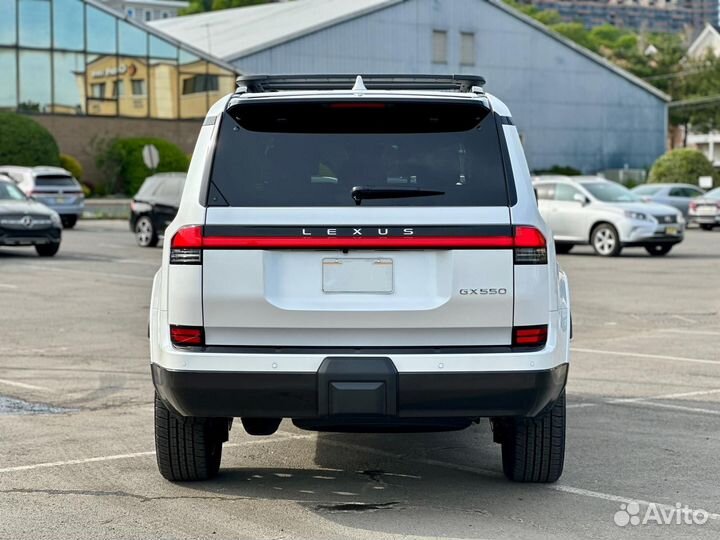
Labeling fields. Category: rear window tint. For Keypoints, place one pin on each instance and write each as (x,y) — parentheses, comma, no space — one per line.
(314,153)
(54,181)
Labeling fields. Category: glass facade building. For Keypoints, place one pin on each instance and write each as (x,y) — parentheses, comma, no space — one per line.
(78,57)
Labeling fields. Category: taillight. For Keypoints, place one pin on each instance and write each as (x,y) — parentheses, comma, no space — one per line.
(529,336)
(187,336)
(529,246)
(693,205)
(186,245)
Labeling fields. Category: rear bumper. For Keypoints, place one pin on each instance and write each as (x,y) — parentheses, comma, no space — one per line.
(404,395)
(68,209)
(704,220)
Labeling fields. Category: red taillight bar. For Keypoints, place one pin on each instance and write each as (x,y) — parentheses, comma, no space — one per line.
(524,237)
(530,336)
(186,336)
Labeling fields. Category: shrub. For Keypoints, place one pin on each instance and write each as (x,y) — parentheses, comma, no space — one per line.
(71,165)
(683,165)
(122,162)
(563,170)
(25,142)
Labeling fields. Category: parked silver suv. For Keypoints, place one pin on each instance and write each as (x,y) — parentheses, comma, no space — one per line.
(359,254)
(606,215)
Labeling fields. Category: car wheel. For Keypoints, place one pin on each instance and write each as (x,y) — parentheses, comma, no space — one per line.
(706,226)
(68,222)
(563,248)
(188,448)
(47,250)
(145,232)
(658,250)
(533,449)
(605,240)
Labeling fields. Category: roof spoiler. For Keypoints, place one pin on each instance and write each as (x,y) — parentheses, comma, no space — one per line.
(276,83)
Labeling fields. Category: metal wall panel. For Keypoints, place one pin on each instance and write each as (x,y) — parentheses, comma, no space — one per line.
(570,110)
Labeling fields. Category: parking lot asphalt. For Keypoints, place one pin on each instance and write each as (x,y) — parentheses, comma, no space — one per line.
(76,425)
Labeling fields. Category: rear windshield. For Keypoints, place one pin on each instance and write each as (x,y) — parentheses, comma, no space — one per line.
(54,181)
(314,154)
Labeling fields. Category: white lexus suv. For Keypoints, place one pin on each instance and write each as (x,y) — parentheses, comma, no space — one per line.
(359,254)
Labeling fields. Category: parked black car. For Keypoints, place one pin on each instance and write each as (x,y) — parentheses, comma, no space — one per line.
(154,206)
(26,222)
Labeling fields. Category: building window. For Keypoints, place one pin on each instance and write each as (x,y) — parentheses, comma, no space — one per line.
(97,90)
(439,47)
(200,83)
(138,87)
(118,88)
(467,48)
(130,13)
(165,15)
(148,15)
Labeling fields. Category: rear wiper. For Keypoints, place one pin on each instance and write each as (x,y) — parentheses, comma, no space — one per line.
(378,192)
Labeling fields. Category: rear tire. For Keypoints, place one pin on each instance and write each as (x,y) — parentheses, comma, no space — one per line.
(188,448)
(706,226)
(68,222)
(533,449)
(145,233)
(47,250)
(605,240)
(658,250)
(563,248)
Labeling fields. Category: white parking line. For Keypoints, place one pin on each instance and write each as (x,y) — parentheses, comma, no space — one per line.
(649,356)
(685,319)
(485,472)
(282,437)
(24,385)
(665,396)
(7,286)
(648,400)
(680,407)
(617,498)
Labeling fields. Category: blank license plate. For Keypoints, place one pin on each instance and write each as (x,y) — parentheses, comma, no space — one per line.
(671,230)
(369,275)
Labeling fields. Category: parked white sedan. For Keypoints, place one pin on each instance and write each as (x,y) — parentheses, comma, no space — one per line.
(608,216)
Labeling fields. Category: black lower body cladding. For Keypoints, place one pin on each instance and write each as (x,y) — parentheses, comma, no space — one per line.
(358,388)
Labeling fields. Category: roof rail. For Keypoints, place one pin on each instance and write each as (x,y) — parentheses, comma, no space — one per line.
(275,83)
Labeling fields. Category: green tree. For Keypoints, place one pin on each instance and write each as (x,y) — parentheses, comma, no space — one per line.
(683,165)
(69,163)
(698,86)
(122,162)
(23,141)
(198,6)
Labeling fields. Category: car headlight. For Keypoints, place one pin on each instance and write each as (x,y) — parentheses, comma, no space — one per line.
(636,215)
(55,218)
(680,218)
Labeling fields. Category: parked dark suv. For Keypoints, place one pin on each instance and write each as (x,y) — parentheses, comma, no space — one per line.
(154,206)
